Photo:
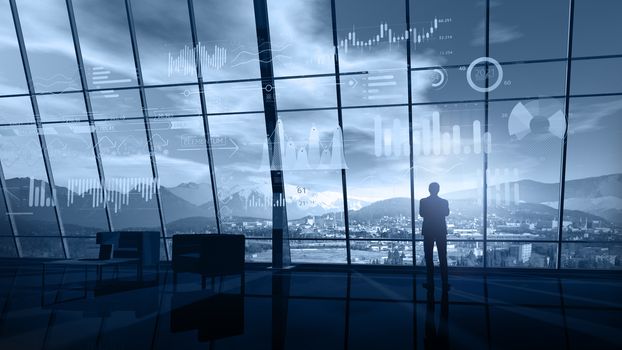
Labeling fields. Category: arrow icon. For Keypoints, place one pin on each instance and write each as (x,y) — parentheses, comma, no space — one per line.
(353,82)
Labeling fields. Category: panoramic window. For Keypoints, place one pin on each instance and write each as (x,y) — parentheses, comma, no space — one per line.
(242,170)
(11,80)
(591,223)
(377,155)
(512,107)
(49,45)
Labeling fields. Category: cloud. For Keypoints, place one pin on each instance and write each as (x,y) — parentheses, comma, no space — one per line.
(589,117)
(499,33)
(301,34)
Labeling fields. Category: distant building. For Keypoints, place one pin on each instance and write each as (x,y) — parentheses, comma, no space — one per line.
(395,258)
(521,252)
(565,224)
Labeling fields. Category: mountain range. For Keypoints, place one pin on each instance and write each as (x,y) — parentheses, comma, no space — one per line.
(600,195)
(189,205)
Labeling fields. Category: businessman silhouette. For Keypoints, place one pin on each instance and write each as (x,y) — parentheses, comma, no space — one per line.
(433,210)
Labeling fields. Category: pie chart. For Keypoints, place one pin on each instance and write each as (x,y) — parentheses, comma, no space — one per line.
(542,116)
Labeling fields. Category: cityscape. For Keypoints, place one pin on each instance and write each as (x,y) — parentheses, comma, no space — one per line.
(387,240)
(519,233)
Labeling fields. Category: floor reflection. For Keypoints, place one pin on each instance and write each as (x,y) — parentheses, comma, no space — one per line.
(437,337)
(311,310)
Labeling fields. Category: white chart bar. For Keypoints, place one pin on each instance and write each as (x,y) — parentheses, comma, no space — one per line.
(436,133)
(455,140)
(477,137)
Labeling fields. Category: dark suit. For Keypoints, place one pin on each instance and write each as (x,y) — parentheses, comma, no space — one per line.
(433,210)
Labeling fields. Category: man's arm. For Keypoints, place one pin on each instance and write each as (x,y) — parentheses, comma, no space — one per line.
(446,211)
(421,210)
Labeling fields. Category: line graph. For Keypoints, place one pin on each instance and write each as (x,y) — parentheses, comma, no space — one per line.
(217,57)
(419,35)
(309,154)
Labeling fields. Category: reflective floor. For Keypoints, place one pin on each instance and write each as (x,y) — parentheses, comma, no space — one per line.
(307,310)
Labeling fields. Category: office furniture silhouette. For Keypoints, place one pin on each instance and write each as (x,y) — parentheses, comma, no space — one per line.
(105,300)
(213,317)
(209,255)
(141,248)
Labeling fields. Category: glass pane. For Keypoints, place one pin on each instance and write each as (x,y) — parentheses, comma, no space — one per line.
(26,180)
(374,43)
(528,29)
(448,148)
(258,250)
(227,28)
(5,227)
(242,172)
(522,254)
(7,247)
(166,53)
(226,98)
(464,254)
(306,93)
(78,188)
(381,252)
(49,45)
(171,101)
(594,22)
(183,170)
(585,80)
(312,159)
(443,85)
(130,186)
(62,107)
(15,110)
(169,246)
(116,104)
(378,177)
(592,256)
(318,252)
(524,168)
(81,248)
(38,247)
(12,78)
(105,43)
(530,80)
(302,37)
(446,32)
(593,197)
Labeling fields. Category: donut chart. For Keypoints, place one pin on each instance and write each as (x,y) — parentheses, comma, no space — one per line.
(537,116)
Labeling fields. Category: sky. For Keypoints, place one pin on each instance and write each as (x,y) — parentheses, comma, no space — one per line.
(375,139)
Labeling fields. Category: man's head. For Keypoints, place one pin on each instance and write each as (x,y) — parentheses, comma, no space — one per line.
(434,188)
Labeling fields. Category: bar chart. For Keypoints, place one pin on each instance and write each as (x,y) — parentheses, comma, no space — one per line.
(100,79)
(115,191)
(183,62)
(39,195)
(430,138)
(503,188)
